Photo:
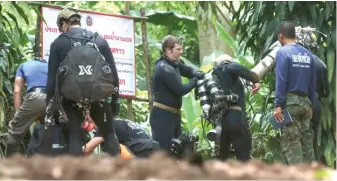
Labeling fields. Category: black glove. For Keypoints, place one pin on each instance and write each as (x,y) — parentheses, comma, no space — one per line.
(199,74)
(194,80)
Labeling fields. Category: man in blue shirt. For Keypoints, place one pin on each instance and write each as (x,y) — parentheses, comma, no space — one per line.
(295,91)
(34,75)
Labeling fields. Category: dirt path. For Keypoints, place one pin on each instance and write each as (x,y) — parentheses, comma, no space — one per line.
(157,167)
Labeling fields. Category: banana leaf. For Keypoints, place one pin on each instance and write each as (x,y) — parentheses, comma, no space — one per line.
(168,18)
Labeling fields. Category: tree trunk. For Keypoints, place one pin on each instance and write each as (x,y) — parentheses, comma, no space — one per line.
(208,40)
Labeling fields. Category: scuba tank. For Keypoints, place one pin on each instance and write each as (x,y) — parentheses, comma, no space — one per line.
(216,94)
(202,94)
(214,103)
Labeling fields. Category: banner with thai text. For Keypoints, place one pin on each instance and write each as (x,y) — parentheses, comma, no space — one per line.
(117,30)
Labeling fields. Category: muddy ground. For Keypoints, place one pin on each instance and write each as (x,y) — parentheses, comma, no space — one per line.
(159,166)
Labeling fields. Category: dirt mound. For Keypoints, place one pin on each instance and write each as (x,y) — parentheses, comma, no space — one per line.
(159,166)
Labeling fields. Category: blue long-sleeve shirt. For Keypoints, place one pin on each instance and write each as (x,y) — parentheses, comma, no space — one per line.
(295,72)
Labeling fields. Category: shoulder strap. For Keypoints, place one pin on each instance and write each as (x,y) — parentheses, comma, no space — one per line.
(94,36)
(73,40)
(92,40)
(84,37)
(90,36)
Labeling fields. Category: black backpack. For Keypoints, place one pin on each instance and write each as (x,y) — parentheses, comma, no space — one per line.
(52,141)
(84,76)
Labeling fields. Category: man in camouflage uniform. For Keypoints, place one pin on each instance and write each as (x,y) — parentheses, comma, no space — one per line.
(295,91)
(297,138)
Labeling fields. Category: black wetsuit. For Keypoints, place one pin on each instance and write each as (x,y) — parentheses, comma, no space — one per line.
(168,90)
(58,51)
(322,89)
(134,137)
(234,127)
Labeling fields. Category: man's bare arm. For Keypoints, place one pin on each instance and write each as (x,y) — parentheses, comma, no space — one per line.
(92,144)
(18,85)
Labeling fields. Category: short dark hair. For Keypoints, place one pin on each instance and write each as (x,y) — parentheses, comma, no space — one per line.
(287,29)
(74,20)
(169,41)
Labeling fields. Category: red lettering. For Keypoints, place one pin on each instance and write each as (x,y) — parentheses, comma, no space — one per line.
(109,37)
(117,51)
(118,38)
(121,81)
(54,30)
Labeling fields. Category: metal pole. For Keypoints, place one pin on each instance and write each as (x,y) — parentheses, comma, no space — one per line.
(146,58)
(130,115)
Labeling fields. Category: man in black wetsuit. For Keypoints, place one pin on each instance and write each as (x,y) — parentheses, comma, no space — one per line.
(69,22)
(130,134)
(168,90)
(235,130)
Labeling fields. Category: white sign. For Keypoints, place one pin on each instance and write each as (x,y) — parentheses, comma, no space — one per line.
(117,30)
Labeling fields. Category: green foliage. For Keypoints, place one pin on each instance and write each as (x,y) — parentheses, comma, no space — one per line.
(179,21)
(15,48)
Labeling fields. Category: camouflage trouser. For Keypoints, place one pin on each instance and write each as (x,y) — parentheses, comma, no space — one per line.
(297,138)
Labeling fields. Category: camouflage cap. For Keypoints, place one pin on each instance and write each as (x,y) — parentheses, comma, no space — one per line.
(66,13)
